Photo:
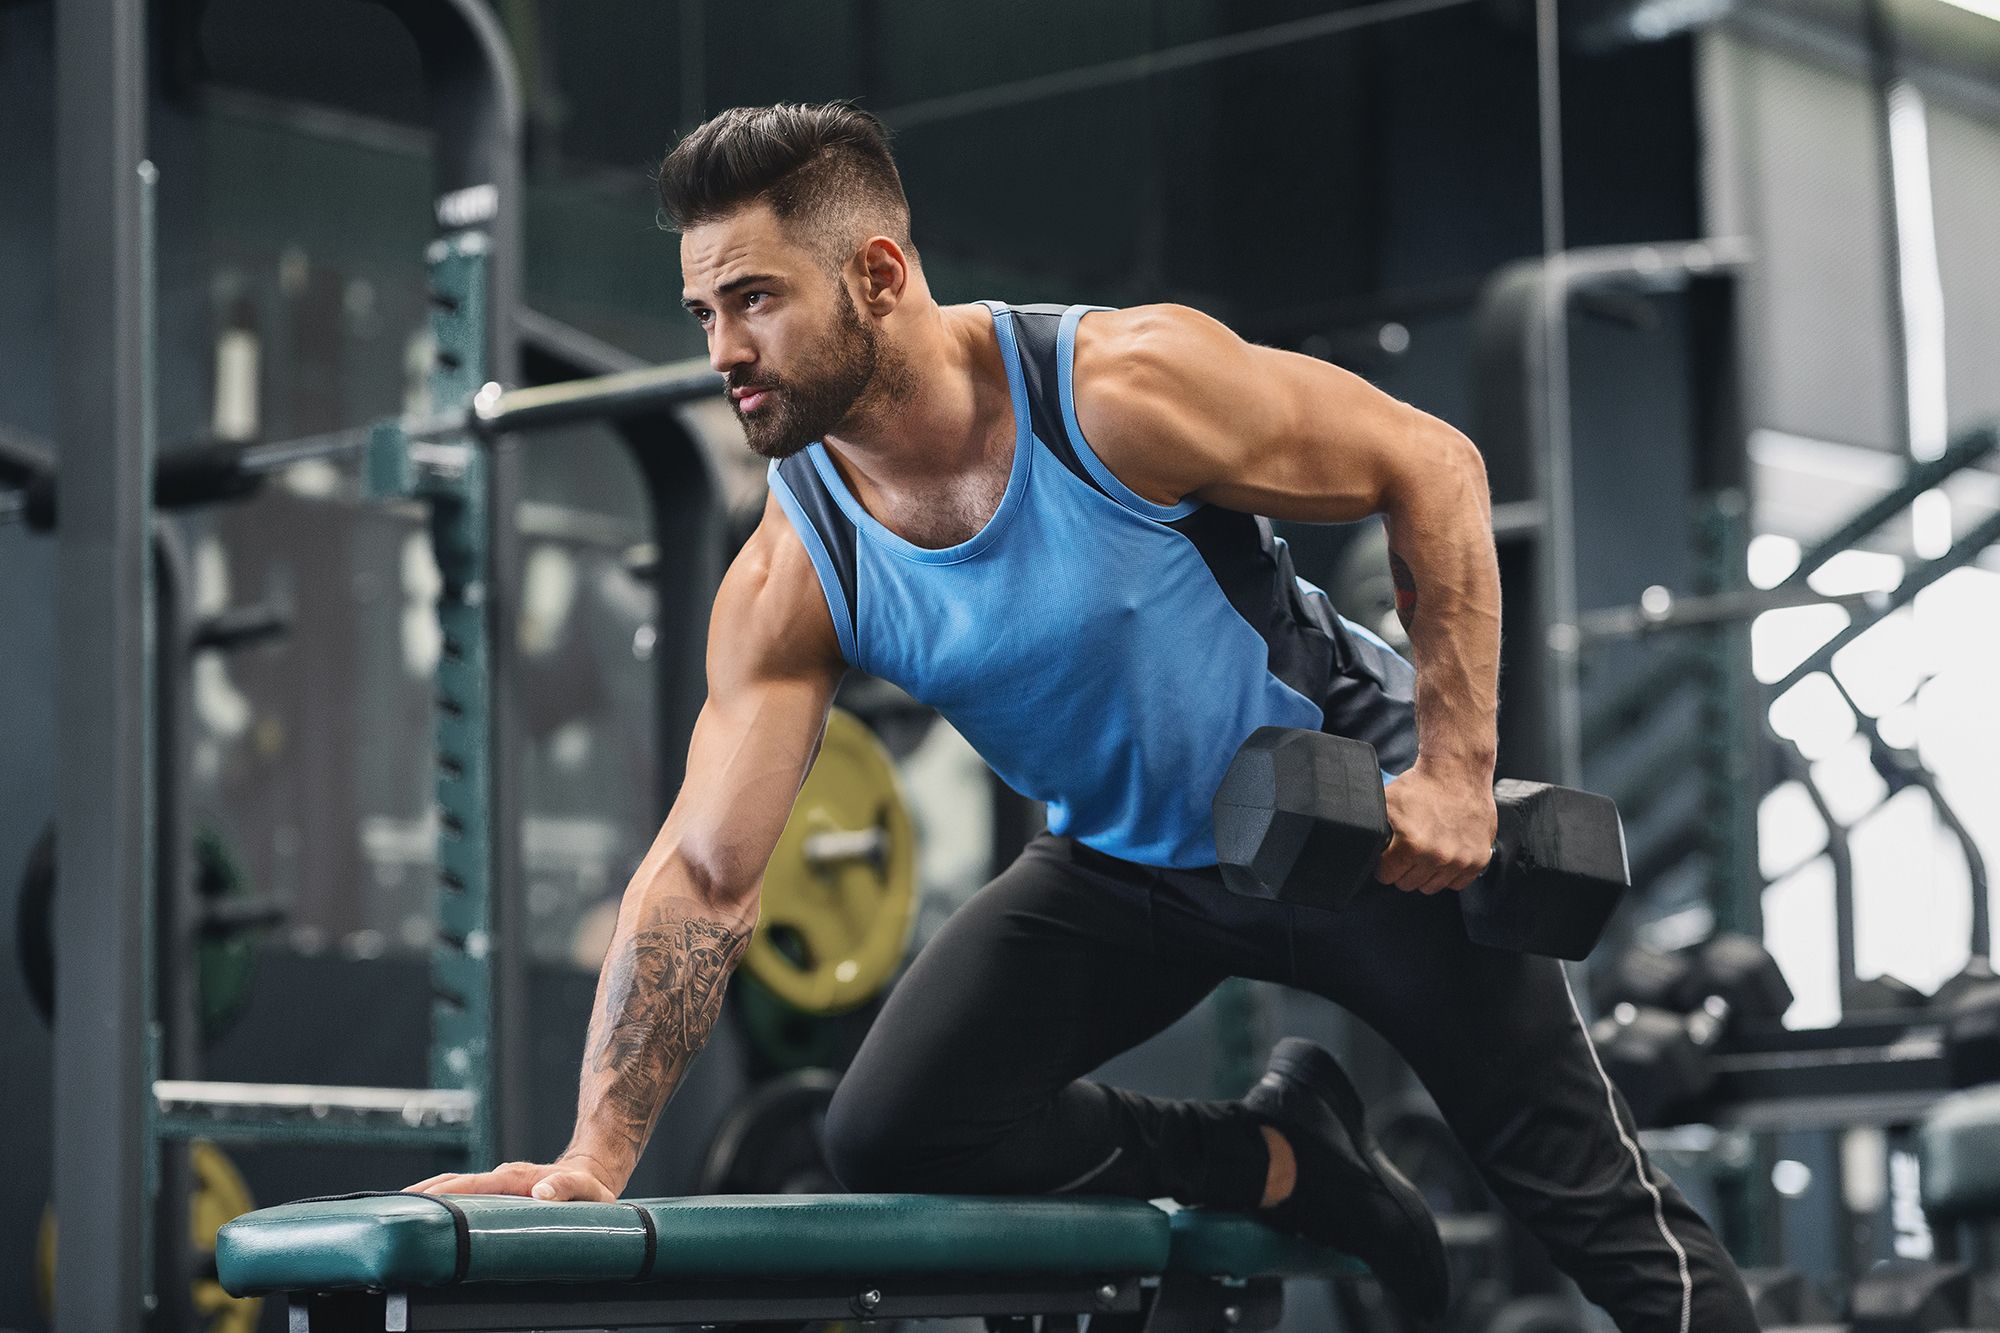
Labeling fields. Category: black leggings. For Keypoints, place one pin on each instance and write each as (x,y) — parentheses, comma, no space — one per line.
(971,1079)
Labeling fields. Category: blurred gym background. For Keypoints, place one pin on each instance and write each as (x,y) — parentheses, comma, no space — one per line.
(1710,281)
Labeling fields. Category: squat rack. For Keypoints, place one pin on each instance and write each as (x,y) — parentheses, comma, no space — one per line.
(112,1107)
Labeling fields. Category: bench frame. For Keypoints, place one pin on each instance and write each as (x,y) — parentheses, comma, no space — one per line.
(1176,1303)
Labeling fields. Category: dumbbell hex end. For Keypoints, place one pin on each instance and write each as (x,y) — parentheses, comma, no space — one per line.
(1558,876)
(1300,815)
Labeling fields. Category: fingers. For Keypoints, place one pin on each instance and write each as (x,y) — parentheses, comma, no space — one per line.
(573,1185)
(1415,869)
(533,1179)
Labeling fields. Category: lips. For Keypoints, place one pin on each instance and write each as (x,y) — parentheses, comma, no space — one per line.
(747,400)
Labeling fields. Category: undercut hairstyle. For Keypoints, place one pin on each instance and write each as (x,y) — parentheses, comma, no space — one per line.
(825,170)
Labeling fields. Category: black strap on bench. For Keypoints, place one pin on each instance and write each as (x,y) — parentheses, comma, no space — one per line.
(652,1241)
(461,1229)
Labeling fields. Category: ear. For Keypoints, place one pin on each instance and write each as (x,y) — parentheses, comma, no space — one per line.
(885,274)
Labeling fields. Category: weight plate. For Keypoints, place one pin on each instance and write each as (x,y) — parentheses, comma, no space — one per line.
(225,960)
(774,1140)
(783,1035)
(840,894)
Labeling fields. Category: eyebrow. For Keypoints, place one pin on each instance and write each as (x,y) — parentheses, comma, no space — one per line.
(748,279)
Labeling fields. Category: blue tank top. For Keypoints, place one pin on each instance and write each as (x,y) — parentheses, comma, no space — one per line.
(1106,655)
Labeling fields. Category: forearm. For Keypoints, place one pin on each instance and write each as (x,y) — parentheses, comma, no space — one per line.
(1448,596)
(658,999)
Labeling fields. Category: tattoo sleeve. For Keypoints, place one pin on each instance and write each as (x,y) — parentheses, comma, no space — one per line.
(1406,590)
(657,1002)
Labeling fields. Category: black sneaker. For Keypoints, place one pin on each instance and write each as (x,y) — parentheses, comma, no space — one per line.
(1348,1195)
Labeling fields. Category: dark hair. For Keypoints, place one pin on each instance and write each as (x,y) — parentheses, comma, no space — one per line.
(826,171)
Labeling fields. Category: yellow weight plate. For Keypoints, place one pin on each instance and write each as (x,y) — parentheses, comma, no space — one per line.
(219,1196)
(840,895)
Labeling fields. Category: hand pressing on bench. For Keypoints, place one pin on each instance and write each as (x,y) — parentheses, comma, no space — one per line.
(689,910)
(566,1178)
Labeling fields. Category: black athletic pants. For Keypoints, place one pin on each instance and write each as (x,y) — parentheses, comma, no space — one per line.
(970,1080)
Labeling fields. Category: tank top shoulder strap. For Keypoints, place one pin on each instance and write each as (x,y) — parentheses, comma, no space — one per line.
(1046,343)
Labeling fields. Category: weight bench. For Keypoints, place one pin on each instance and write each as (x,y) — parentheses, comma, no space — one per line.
(397,1262)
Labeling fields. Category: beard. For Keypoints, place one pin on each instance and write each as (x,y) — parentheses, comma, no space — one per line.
(798,411)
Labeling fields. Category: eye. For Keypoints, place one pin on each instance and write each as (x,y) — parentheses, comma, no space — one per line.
(752,298)
(702,316)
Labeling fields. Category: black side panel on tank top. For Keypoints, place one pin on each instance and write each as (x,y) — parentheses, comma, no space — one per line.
(1362,691)
(833,527)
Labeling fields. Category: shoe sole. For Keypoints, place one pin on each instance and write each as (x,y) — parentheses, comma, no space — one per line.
(1309,1066)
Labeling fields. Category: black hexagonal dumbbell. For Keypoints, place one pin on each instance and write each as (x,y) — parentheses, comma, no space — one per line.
(1657,1050)
(1301,816)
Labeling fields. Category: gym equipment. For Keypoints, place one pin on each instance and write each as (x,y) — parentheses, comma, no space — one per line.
(1782,1298)
(1885,1069)
(484,1262)
(1734,966)
(1300,816)
(1660,1055)
(1659,1060)
(230,922)
(1879,994)
(774,1140)
(787,1038)
(218,1196)
(1958,1151)
(840,894)
(1917,1296)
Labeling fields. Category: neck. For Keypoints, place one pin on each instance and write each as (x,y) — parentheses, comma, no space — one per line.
(941,403)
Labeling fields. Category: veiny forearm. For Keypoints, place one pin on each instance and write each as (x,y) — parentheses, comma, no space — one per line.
(1448,595)
(658,999)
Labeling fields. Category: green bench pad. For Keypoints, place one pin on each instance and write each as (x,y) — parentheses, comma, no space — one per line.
(1959,1148)
(403,1241)
(398,1241)
(1235,1245)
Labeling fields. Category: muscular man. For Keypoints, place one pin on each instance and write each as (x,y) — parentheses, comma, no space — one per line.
(1041,522)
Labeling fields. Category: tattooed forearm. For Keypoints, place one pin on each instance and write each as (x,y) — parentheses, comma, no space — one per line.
(659,999)
(1406,590)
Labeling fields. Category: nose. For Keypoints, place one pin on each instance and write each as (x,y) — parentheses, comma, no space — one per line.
(728,347)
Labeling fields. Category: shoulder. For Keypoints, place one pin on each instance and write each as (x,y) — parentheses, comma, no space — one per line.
(1148,346)
(1155,386)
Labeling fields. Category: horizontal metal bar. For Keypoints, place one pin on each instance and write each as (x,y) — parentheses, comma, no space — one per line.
(600,398)
(1831,1111)
(1146,64)
(311,1113)
(1514,520)
(1668,612)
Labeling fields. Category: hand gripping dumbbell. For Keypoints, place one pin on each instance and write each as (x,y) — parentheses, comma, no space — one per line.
(1301,817)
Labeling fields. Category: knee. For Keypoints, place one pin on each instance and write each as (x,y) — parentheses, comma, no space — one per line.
(872,1146)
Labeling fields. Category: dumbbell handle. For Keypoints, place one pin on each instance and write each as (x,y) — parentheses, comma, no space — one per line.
(1492,852)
